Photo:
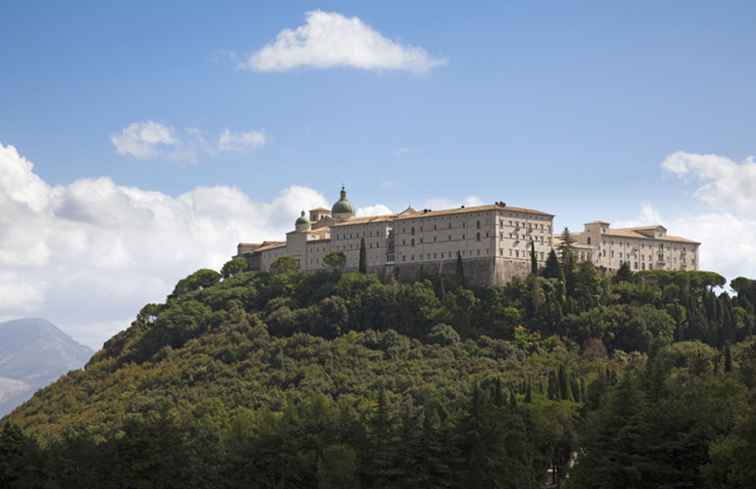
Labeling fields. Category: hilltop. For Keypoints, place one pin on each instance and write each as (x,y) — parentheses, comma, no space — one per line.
(342,380)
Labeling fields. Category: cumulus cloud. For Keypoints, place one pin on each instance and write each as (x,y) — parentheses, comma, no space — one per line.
(149,140)
(373,210)
(723,182)
(88,254)
(329,40)
(437,203)
(143,140)
(240,141)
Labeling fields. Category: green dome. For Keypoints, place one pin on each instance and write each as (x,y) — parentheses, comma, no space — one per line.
(301,220)
(343,206)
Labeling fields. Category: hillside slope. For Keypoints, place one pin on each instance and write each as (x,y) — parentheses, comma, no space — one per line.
(342,380)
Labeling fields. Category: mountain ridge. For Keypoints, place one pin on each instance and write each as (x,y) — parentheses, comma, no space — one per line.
(34,353)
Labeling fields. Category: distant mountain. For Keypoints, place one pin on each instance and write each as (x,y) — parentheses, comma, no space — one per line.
(33,354)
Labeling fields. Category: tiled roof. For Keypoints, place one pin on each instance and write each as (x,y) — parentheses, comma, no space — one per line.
(633,233)
(470,210)
(366,220)
(269,245)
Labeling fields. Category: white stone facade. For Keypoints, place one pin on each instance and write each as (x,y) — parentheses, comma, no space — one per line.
(643,248)
(495,240)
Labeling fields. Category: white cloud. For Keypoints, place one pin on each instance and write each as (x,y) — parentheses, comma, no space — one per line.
(149,140)
(87,254)
(437,203)
(724,183)
(329,39)
(143,140)
(240,141)
(373,210)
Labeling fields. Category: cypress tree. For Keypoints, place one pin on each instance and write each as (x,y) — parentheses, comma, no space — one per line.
(552,269)
(460,270)
(533,259)
(528,393)
(363,256)
(727,359)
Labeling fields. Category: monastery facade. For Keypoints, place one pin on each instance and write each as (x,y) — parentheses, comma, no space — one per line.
(494,242)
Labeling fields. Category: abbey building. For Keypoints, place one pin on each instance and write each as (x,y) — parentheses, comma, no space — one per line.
(494,242)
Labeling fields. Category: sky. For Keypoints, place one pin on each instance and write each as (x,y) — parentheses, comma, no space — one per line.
(140,142)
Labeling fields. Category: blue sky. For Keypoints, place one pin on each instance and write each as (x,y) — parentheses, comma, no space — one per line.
(568,107)
(537,102)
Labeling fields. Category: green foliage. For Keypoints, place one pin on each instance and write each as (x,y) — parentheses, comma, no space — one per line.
(284,265)
(199,280)
(335,379)
(443,334)
(552,269)
(335,260)
(234,266)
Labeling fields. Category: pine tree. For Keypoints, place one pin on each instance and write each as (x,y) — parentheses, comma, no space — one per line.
(533,259)
(363,256)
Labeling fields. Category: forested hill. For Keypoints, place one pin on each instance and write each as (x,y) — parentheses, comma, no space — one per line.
(334,379)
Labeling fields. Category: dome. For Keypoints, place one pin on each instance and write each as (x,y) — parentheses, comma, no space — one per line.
(302,224)
(302,219)
(342,208)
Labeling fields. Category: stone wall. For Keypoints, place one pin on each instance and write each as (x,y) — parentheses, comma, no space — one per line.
(479,272)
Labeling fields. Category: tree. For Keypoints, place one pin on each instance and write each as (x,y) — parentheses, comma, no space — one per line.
(533,259)
(335,261)
(236,265)
(201,279)
(460,270)
(363,257)
(566,249)
(624,274)
(13,456)
(443,334)
(284,265)
(552,269)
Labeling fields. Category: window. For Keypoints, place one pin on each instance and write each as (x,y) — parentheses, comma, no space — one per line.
(412,242)
(477,237)
(477,224)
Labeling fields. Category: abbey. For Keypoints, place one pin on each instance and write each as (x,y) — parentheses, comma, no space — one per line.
(494,242)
